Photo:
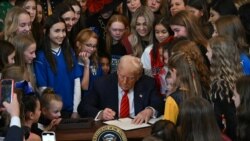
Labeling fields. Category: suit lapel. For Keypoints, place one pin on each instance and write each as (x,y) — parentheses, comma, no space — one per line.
(114,94)
(138,97)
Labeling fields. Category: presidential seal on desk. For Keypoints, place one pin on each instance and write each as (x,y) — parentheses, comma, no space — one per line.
(109,133)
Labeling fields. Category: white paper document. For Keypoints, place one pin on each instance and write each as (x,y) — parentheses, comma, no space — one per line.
(126,124)
(154,120)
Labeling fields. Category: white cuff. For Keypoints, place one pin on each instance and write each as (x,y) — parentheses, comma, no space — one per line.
(77,94)
(15,121)
(96,117)
(154,115)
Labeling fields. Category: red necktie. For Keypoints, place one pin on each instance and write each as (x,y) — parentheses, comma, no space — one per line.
(124,109)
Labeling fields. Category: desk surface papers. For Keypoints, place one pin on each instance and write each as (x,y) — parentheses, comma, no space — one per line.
(126,124)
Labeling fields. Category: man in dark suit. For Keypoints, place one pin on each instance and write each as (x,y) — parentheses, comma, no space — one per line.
(105,99)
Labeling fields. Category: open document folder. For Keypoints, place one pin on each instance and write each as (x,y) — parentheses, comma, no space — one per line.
(126,124)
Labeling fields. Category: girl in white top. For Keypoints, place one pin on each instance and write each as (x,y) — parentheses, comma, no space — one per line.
(152,57)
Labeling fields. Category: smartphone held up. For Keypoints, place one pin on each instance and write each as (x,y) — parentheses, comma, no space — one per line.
(7,90)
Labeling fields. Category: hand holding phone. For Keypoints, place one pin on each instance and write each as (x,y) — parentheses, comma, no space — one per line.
(7,89)
(48,136)
(13,107)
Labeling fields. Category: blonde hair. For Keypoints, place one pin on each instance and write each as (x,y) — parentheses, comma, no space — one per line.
(82,37)
(49,95)
(134,63)
(22,42)
(145,12)
(15,72)
(11,22)
(225,62)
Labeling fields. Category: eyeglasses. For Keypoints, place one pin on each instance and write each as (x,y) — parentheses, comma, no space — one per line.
(90,45)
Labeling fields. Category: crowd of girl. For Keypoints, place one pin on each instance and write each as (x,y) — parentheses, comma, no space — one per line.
(196,50)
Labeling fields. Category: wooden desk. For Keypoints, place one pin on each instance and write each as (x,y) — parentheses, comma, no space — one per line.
(87,134)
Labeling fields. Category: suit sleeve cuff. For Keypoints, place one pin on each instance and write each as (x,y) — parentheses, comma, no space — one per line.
(15,121)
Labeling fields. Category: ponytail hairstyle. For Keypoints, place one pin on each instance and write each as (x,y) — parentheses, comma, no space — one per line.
(49,95)
(29,102)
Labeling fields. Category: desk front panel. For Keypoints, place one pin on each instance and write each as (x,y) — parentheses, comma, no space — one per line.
(87,134)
